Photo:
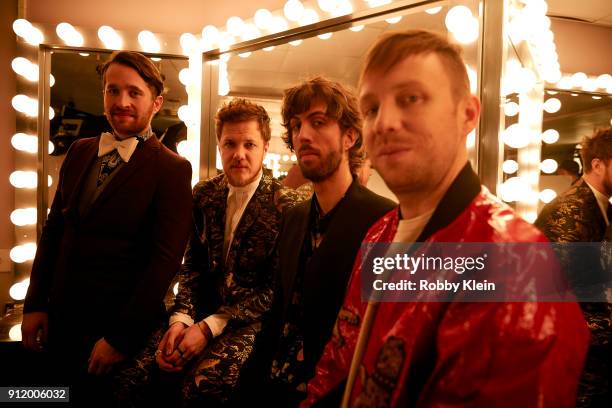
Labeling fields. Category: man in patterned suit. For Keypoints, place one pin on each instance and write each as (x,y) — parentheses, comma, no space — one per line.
(113,239)
(225,284)
(582,214)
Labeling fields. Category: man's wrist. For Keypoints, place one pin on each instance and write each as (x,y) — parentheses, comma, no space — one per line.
(205,330)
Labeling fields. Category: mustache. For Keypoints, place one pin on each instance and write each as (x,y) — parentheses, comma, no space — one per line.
(307,149)
(120,111)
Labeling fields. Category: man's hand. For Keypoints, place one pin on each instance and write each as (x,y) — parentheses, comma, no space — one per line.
(194,341)
(168,359)
(34,330)
(103,357)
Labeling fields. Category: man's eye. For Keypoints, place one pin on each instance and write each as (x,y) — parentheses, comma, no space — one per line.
(112,91)
(134,94)
(250,145)
(369,111)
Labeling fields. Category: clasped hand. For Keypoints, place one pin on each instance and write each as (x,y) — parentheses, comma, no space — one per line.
(179,345)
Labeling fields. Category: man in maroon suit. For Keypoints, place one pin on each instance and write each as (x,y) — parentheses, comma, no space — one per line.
(114,237)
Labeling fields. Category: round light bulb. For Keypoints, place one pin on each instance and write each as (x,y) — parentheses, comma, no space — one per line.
(148,42)
(21,27)
(175,288)
(188,42)
(15,332)
(234,26)
(357,28)
(433,10)
(309,17)
(110,37)
(279,24)
(25,143)
(604,81)
(184,76)
(210,34)
(515,136)
(547,195)
(23,253)
(293,10)
(514,189)
(394,20)
(263,18)
(457,17)
(325,36)
(468,32)
(552,105)
(511,109)
(510,166)
(578,79)
(23,216)
(549,166)
(295,43)
(327,5)
(550,136)
(184,113)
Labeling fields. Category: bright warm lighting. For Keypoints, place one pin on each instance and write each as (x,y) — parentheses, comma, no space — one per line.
(19,290)
(175,288)
(309,16)
(23,179)
(327,5)
(515,136)
(565,83)
(182,148)
(514,189)
(578,79)
(296,42)
(245,55)
(210,36)
(184,113)
(343,8)
(15,332)
(604,81)
(472,77)
(263,19)
(23,253)
(511,109)
(457,17)
(550,136)
(25,104)
(357,28)
(234,25)
(148,42)
(549,166)
(510,166)
(394,20)
(184,76)
(69,34)
(293,158)
(293,10)
(468,33)
(470,140)
(325,36)
(552,105)
(268,49)
(189,43)
(547,195)
(28,32)
(111,39)
(25,143)
(25,68)
(250,32)
(279,24)
(377,3)
(23,216)
(433,10)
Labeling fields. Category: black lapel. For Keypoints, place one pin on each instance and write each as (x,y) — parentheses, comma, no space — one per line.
(294,233)
(459,195)
(84,161)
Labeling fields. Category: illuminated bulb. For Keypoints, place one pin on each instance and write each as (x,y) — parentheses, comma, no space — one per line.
(578,79)
(514,189)
(394,20)
(457,17)
(552,105)
(343,8)
(515,136)
(327,5)
(268,49)
(604,81)
(51,113)
(210,34)
(285,157)
(552,92)
(309,17)
(15,332)
(148,42)
(23,179)
(293,10)
(23,253)
(245,55)
(69,34)
(468,32)
(84,54)
(325,36)
(189,43)
(377,3)
(596,97)
(279,24)
(470,141)
(263,19)
(549,166)
(49,181)
(234,26)
(357,28)
(472,77)
(293,158)
(224,87)
(51,147)
(28,32)
(25,68)
(175,288)
(250,32)
(550,136)
(25,104)
(25,143)
(19,290)
(510,166)
(433,10)
(51,80)
(185,76)
(564,83)
(525,80)
(511,109)
(184,113)
(110,37)
(295,43)
(182,148)
(547,195)
(574,94)
(23,216)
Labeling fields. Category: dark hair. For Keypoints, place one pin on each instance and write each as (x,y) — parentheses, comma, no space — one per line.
(571,167)
(341,105)
(598,146)
(242,110)
(141,64)
(392,48)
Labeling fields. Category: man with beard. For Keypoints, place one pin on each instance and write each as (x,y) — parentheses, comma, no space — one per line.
(582,214)
(320,237)
(417,108)
(113,240)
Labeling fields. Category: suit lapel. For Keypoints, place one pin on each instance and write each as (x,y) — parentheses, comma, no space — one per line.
(216,212)
(142,157)
(296,227)
(84,161)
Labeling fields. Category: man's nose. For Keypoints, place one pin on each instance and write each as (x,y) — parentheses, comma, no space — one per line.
(123,99)
(388,118)
(239,153)
(303,135)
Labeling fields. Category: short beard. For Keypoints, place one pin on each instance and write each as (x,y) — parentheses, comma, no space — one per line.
(327,168)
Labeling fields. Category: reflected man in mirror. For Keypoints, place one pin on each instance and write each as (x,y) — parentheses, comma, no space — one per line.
(418,110)
(225,284)
(582,214)
(113,240)
(319,237)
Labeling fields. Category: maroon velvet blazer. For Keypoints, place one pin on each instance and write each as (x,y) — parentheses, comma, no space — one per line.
(105,273)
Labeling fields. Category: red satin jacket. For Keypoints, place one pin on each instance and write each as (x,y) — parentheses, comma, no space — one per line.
(458,354)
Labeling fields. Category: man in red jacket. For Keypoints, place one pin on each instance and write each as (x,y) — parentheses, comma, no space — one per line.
(418,111)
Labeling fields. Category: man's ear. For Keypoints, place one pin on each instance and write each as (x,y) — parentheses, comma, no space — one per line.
(266,147)
(349,138)
(471,113)
(157,103)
